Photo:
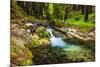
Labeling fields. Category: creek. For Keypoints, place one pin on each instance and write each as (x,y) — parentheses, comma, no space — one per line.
(61,51)
(60,43)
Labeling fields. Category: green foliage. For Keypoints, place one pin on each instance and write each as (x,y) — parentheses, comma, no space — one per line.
(45,41)
(41,31)
(51,9)
(80,24)
(92,17)
(24,62)
(38,41)
(41,37)
(59,23)
(59,11)
(75,15)
(31,18)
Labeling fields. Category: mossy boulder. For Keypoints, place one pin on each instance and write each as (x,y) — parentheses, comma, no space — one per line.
(38,41)
(41,31)
(45,41)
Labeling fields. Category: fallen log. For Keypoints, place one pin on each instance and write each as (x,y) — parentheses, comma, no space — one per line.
(74,35)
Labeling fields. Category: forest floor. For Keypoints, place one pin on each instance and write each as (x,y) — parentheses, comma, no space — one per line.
(79,23)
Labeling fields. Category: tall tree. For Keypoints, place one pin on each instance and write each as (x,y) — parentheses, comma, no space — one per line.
(90,9)
(86,13)
(82,9)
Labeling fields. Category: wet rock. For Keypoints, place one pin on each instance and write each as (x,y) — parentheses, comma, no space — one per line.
(57,34)
(28,24)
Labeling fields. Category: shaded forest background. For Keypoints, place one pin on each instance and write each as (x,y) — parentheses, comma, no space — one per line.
(56,14)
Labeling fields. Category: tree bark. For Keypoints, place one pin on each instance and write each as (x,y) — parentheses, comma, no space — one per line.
(82,9)
(86,14)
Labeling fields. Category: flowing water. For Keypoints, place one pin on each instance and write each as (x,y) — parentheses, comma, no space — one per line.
(60,43)
(61,51)
(74,52)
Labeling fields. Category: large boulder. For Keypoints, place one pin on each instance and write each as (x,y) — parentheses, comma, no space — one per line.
(41,31)
(38,41)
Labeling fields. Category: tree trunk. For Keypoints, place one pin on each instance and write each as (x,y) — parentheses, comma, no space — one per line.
(86,14)
(82,9)
(90,9)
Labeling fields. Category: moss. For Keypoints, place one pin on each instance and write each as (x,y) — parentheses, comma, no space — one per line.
(20,55)
(38,41)
(45,41)
(41,31)
(24,62)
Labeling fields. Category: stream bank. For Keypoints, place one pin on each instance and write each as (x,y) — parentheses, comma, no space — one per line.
(48,46)
(61,51)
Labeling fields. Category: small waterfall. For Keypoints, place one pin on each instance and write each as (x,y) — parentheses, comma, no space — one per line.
(50,31)
(58,42)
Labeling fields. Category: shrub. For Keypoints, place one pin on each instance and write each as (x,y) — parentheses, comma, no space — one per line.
(74,15)
(92,17)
